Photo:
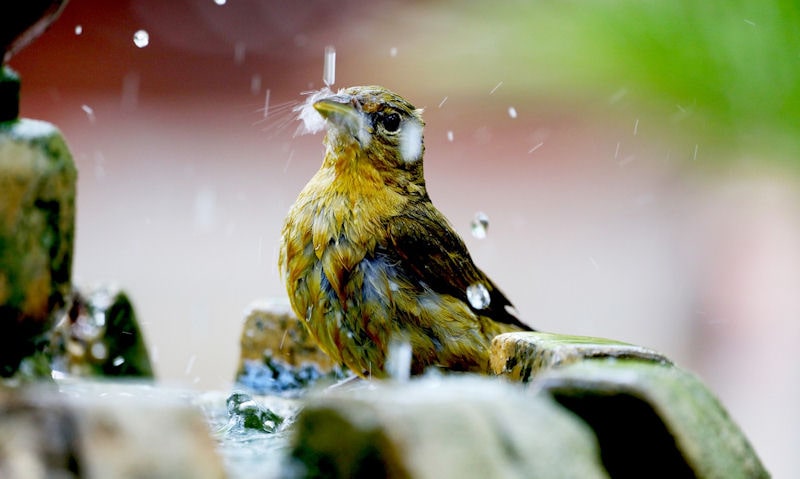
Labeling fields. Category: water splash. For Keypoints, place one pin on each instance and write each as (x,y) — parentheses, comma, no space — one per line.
(478,296)
(141,38)
(310,120)
(398,361)
(480,225)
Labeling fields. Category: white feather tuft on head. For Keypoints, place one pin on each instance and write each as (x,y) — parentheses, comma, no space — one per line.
(411,141)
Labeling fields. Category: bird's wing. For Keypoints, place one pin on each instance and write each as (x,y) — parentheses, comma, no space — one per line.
(430,251)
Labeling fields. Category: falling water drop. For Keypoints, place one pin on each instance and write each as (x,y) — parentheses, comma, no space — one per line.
(329,66)
(89,113)
(141,38)
(78,29)
(98,351)
(220,2)
(398,361)
(480,225)
(512,112)
(450,136)
(239,52)
(393,52)
(478,296)
(255,84)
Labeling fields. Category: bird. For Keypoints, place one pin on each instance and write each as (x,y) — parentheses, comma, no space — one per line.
(367,258)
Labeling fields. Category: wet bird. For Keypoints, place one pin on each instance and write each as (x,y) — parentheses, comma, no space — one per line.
(366,257)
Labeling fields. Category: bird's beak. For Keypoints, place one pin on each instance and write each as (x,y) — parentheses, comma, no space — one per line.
(341,111)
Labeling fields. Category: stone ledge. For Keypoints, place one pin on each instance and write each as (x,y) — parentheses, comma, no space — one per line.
(449,427)
(653,419)
(522,356)
(87,429)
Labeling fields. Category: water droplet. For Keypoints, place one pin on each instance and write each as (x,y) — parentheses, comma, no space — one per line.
(220,2)
(118,361)
(480,225)
(255,84)
(393,52)
(266,103)
(512,112)
(130,91)
(450,135)
(478,296)
(190,364)
(78,29)
(239,51)
(99,351)
(329,66)
(89,112)
(536,147)
(141,38)
(205,210)
(442,102)
(495,88)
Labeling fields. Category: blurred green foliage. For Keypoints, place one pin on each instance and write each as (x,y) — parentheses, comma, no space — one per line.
(725,69)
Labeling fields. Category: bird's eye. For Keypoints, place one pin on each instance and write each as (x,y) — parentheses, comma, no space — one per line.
(390,122)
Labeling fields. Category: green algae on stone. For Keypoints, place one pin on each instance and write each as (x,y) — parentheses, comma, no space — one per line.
(37,227)
(521,356)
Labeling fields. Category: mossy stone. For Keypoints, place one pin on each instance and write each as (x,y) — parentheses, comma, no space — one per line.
(37,228)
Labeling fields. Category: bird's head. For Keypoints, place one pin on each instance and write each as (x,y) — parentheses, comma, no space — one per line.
(379,125)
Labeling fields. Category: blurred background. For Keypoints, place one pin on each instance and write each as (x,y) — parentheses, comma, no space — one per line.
(638,163)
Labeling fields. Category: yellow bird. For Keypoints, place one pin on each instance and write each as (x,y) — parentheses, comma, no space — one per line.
(366,257)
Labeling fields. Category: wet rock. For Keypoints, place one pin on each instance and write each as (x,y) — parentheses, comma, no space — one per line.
(522,356)
(103,430)
(37,225)
(99,335)
(277,354)
(459,427)
(652,420)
